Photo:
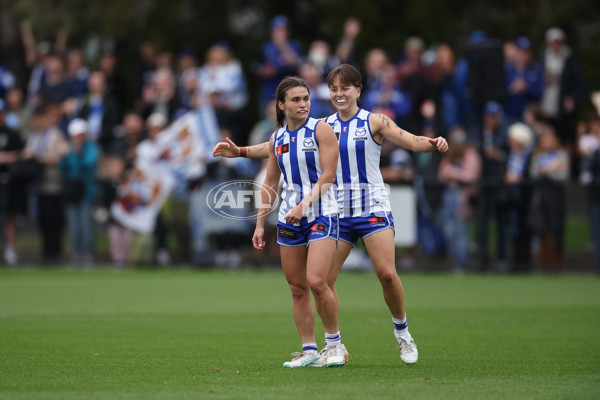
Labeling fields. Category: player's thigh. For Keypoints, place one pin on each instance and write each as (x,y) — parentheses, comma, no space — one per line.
(293,262)
(381,248)
(320,257)
(339,257)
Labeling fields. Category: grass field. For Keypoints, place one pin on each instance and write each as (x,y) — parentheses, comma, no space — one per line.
(223,335)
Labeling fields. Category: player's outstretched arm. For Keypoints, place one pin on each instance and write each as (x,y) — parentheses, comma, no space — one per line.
(383,127)
(231,150)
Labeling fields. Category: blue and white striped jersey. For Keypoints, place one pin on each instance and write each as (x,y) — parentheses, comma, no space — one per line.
(360,187)
(297,154)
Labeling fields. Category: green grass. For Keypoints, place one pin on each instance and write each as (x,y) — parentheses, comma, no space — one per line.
(224,335)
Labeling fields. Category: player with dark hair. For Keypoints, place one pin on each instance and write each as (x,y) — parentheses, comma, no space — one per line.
(365,210)
(305,151)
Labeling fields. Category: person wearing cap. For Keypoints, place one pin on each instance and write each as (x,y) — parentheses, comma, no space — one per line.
(521,142)
(565,85)
(79,167)
(493,199)
(13,197)
(524,81)
(460,170)
(278,58)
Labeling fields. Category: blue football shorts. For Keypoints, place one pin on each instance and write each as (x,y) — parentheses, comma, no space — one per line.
(352,228)
(302,234)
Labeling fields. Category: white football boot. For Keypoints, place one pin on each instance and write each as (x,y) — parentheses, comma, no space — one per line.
(408,349)
(334,355)
(304,360)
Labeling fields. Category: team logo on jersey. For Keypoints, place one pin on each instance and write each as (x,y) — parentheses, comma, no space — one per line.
(294,140)
(284,148)
(345,129)
(360,134)
(309,145)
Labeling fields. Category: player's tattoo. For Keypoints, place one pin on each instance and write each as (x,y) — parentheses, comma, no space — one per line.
(419,138)
(401,131)
(385,120)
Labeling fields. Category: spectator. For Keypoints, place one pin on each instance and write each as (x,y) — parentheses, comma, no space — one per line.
(101,111)
(396,168)
(222,79)
(147,52)
(375,62)
(446,89)
(77,74)
(55,88)
(129,134)
(494,198)
(47,145)
(13,199)
(116,86)
(395,164)
(535,119)
(459,170)
(344,53)
(415,80)
(564,88)
(520,142)
(388,97)
(549,171)
(7,81)
(319,55)
(590,177)
(147,152)
(187,72)
(426,166)
(78,167)
(160,95)
(277,59)
(524,81)
(18,116)
(320,104)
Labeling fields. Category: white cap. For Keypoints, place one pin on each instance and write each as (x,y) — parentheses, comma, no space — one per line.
(553,34)
(77,126)
(521,133)
(156,119)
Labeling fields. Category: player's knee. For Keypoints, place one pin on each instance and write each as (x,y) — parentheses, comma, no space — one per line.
(387,277)
(298,291)
(318,285)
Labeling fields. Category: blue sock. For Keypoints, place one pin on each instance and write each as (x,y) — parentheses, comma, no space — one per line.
(310,347)
(400,326)
(331,338)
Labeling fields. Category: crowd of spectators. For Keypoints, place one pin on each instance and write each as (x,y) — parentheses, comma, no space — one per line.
(68,135)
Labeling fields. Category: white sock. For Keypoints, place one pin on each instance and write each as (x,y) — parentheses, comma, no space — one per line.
(400,326)
(310,348)
(331,338)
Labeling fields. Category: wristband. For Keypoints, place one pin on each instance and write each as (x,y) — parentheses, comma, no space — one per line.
(243,151)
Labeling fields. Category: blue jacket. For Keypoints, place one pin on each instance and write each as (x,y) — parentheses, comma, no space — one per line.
(515,103)
(82,166)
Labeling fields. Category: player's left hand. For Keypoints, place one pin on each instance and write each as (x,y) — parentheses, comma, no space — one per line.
(295,214)
(440,144)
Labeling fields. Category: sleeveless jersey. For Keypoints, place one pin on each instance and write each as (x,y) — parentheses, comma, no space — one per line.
(297,154)
(360,188)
